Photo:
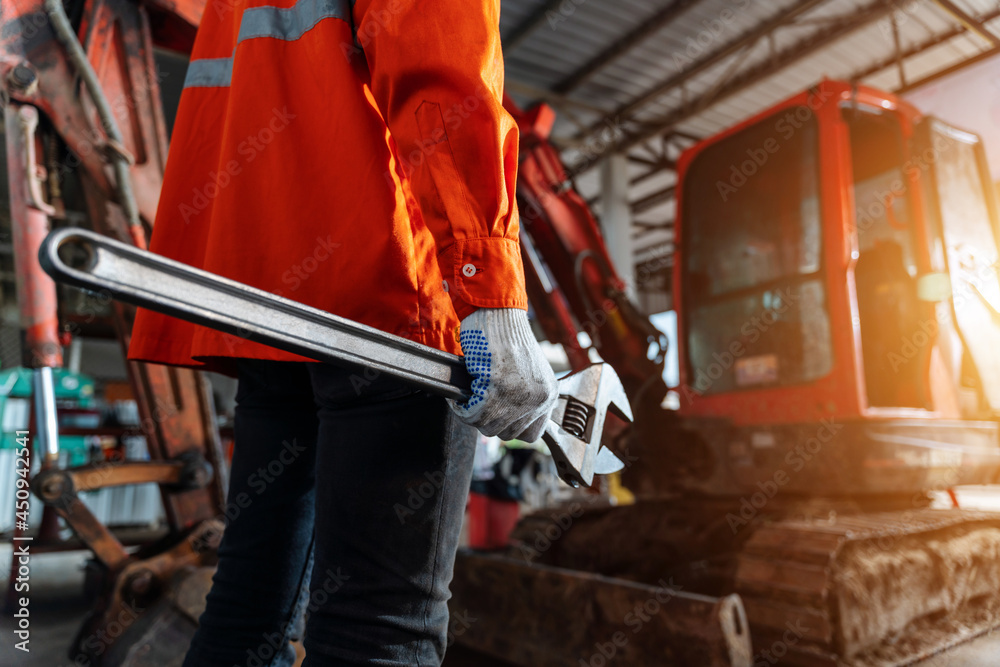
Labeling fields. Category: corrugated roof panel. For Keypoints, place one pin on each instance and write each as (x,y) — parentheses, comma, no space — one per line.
(931,60)
(549,55)
(512,12)
(885,80)
(675,46)
(851,58)
(581,31)
(555,50)
(760,53)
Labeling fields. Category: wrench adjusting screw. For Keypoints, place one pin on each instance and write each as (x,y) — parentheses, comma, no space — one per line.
(576,416)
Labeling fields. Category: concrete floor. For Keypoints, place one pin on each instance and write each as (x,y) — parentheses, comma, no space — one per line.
(980,652)
(58,607)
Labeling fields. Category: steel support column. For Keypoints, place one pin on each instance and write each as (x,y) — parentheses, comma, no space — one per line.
(616,218)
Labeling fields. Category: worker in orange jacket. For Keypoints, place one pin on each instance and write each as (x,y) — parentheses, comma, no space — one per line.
(352,155)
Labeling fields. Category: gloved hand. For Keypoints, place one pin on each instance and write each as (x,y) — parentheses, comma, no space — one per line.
(513,386)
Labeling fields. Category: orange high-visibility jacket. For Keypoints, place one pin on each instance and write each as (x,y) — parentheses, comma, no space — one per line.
(353,156)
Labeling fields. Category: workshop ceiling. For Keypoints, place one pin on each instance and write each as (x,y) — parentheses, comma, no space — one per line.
(648,77)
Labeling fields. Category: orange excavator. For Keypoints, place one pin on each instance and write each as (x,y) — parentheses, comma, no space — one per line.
(836,291)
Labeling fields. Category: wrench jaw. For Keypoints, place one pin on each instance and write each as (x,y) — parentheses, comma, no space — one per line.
(573,432)
(570,456)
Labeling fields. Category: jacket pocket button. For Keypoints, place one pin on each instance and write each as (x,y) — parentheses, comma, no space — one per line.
(469,270)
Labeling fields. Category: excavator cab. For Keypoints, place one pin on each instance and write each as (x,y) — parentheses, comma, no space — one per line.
(837,293)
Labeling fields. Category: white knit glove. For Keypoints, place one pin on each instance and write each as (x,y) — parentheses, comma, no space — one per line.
(513,387)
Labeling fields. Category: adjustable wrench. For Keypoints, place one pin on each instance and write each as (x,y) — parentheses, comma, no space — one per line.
(95,262)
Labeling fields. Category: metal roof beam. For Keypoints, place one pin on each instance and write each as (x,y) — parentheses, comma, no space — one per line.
(971,24)
(534,20)
(664,166)
(653,200)
(648,28)
(665,163)
(644,229)
(520,88)
(804,47)
(639,159)
(653,226)
(892,60)
(917,49)
(693,138)
(948,70)
(731,48)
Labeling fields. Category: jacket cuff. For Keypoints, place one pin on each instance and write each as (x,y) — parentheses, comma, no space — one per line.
(484,273)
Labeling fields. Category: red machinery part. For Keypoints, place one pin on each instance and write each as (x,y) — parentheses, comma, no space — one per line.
(36,292)
(566,236)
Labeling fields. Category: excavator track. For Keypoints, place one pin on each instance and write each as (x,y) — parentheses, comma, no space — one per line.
(870,589)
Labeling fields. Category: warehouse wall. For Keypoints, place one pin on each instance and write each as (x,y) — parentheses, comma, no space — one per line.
(970,100)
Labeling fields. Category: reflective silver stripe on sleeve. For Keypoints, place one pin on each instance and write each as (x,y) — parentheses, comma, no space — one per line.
(291,23)
(209,73)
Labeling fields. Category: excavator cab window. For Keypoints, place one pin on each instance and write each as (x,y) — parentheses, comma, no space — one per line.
(886,271)
(752,252)
(963,220)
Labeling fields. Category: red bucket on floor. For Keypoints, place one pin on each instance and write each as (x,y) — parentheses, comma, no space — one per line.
(491,521)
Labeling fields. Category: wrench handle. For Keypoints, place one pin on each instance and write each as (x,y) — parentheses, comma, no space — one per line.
(95,262)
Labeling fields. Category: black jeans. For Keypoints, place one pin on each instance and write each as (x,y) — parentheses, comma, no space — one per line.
(359,481)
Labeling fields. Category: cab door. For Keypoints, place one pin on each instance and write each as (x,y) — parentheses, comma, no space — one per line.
(889,262)
(963,222)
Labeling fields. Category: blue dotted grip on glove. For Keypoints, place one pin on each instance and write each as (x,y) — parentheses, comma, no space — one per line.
(478,361)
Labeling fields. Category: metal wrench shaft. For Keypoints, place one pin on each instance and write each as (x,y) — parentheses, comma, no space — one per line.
(95,262)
